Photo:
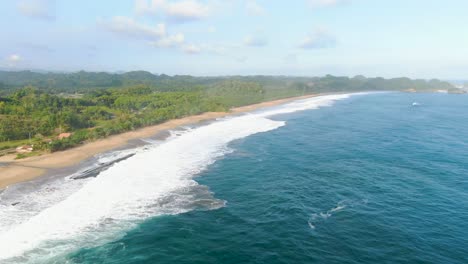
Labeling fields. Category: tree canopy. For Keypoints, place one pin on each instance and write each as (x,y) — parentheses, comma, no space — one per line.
(95,105)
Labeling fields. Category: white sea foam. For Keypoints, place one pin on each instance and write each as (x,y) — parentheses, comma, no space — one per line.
(322,216)
(153,182)
(305,104)
(109,157)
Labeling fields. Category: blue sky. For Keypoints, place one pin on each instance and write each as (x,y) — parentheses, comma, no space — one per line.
(389,38)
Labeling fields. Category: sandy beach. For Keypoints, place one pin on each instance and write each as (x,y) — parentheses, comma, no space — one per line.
(14,171)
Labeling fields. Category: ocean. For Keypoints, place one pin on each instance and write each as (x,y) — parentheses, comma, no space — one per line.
(351,178)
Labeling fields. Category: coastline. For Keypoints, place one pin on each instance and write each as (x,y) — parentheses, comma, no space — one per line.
(15,171)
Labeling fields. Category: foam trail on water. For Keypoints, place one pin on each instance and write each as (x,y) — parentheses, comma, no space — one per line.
(138,187)
(305,104)
(340,206)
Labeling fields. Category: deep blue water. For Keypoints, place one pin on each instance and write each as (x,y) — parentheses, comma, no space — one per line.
(370,179)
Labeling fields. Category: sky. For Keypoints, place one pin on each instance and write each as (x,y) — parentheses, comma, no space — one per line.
(388,38)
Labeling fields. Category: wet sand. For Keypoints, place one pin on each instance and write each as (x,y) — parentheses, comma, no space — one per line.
(14,171)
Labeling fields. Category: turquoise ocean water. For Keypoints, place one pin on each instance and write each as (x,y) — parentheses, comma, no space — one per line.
(367,179)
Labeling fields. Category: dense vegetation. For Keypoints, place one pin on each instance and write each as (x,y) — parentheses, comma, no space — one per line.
(39,106)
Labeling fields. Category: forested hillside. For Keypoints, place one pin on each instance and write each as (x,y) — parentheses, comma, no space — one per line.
(37,107)
(83,82)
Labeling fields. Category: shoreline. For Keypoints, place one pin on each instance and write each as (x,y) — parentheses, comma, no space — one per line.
(15,171)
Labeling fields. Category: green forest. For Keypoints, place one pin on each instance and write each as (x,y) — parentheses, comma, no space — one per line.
(37,107)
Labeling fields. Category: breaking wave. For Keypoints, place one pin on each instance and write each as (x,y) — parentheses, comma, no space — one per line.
(66,214)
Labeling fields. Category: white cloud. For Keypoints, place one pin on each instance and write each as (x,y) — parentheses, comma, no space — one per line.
(38,9)
(156,35)
(218,49)
(179,11)
(13,60)
(255,41)
(325,3)
(191,49)
(187,10)
(128,27)
(254,9)
(170,41)
(319,39)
